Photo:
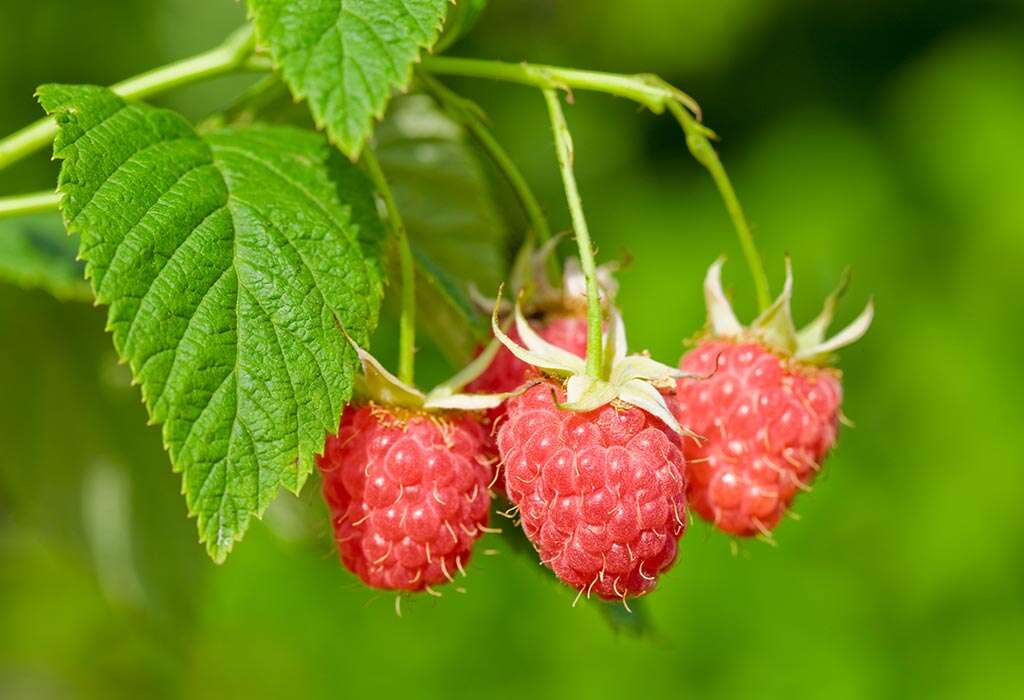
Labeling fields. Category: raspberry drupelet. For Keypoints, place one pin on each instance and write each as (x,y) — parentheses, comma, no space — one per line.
(769,411)
(601,494)
(768,424)
(407,493)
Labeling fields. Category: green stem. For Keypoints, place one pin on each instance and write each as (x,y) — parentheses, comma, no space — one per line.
(230,56)
(649,90)
(468,114)
(698,140)
(564,149)
(407,320)
(28,204)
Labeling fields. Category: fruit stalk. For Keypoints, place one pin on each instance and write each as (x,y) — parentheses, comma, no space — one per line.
(407,320)
(230,56)
(28,204)
(564,150)
(699,144)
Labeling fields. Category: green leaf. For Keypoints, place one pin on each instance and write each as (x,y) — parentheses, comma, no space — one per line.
(228,262)
(635,622)
(449,210)
(461,20)
(36,253)
(450,319)
(346,56)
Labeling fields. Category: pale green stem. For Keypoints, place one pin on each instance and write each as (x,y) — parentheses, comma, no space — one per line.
(564,149)
(28,204)
(648,90)
(230,56)
(407,270)
(698,140)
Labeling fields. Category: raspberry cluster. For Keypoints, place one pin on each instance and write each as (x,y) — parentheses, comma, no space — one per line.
(601,494)
(767,425)
(407,493)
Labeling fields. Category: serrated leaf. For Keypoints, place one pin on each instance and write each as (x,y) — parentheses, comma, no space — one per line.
(36,253)
(227,261)
(346,56)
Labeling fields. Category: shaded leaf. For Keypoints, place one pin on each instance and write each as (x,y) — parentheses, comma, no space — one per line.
(449,211)
(36,253)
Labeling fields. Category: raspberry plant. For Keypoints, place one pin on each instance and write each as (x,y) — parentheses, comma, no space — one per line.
(244,260)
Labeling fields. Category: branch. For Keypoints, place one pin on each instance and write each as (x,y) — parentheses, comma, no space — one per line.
(28,204)
(230,56)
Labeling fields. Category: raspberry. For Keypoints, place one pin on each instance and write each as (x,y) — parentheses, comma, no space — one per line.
(407,493)
(507,372)
(767,422)
(601,494)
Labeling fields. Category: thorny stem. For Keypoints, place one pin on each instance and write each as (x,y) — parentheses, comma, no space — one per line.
(698,141)
(564,149)
(230,56)
(469,115)
(28,204)
(407,320)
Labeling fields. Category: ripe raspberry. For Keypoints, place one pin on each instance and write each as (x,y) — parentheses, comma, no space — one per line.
(407,494)
(507,373)
(767,422)
(769,413)
(601,494)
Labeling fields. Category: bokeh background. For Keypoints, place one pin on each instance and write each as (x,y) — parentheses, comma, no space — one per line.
(877,134)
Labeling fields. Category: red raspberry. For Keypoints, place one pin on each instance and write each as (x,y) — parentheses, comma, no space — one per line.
(407,492)
(767,422)
(507,372)
(601,494)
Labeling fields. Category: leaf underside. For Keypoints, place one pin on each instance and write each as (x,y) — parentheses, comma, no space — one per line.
(228,262)
(346,56)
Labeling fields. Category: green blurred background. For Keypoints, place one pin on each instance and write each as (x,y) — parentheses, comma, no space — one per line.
(883,135)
